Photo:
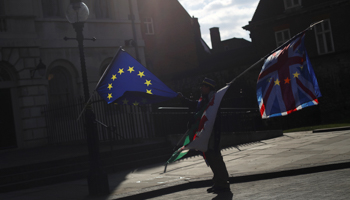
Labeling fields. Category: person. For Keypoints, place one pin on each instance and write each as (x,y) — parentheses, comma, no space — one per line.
(213,154)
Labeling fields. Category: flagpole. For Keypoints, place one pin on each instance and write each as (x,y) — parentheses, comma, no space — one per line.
(256,63)
(103,75)
(263,58)
(87,103)
(106,70)
(308,28)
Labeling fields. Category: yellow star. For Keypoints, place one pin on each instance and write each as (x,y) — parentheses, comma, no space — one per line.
(287,80)
(121,71)
(269,80)
(296,74)
(148,91)
(116,104)
(148,82)
(136,103)
(301,67)
(109,96)
(110,86)
(131,69)
(114,76)
(277,82)
(125,102)
(141,74)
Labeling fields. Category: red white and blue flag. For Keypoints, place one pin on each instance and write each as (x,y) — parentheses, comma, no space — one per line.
(287,81)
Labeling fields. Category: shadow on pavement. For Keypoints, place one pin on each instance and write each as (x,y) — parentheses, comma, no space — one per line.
(224,196)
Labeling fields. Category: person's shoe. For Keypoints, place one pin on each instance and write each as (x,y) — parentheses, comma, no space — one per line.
(211,189)
(217,189)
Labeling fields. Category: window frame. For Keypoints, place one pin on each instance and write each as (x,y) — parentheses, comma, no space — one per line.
(324,38)
(101,9)
(279,43)
(149,26)
(48,6)
(292,4)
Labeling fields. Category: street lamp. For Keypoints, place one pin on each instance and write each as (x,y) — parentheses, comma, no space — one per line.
(41,68)
(77,13)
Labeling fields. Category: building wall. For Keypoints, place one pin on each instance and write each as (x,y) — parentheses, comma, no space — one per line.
(172,47)
(28,34)
(331,68)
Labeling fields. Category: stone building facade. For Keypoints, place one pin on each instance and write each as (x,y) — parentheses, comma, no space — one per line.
(172,37)
(31,31)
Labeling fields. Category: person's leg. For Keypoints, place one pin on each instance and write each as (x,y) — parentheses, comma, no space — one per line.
(218,167)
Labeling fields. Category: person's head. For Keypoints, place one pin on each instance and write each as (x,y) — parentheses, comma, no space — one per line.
(207,85)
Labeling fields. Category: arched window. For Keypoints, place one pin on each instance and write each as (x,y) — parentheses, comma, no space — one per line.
(104,65)
(4,75)
(60,85)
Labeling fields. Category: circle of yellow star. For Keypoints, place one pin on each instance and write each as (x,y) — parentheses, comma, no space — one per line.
(296,74)
(277,82)
(121,71)
(110,86)
(131,69)
(141,74)
(109,96)
(148,91)
(125,101)
(148,82)
(114,76)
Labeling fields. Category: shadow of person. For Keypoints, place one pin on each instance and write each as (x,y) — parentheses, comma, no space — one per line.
(224,196)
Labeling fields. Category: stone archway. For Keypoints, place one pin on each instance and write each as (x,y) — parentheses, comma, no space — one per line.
(60,85)
(62,82)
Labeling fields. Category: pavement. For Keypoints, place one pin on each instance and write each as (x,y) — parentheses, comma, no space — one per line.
(293,154)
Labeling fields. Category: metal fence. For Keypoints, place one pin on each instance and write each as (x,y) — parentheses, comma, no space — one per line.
(114,122)
(124,123)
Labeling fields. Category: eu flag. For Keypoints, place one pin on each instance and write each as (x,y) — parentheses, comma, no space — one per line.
(128,82)
(287,82)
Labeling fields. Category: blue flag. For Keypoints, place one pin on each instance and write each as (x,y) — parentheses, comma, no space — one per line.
(128,82)
(287,82)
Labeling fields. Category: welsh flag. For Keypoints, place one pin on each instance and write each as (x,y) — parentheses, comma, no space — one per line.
(198,135)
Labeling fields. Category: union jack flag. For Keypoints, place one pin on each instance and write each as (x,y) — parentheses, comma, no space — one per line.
(287,81)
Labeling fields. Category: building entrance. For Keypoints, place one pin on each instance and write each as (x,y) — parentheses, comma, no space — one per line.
(7,124)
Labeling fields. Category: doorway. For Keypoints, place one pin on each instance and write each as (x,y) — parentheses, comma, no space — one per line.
(7,124)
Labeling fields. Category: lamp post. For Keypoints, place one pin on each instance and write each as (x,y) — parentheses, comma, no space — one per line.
(41,68)
(77,13)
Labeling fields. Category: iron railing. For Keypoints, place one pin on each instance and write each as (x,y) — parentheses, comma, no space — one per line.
(125,123)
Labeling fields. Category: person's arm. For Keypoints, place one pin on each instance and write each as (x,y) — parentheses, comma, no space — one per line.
(191,104)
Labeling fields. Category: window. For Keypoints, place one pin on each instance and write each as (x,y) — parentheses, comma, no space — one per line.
(52,8)
(282,37)
(101,9)
(291,3)
(148,24)
(324,37)
(60,85)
